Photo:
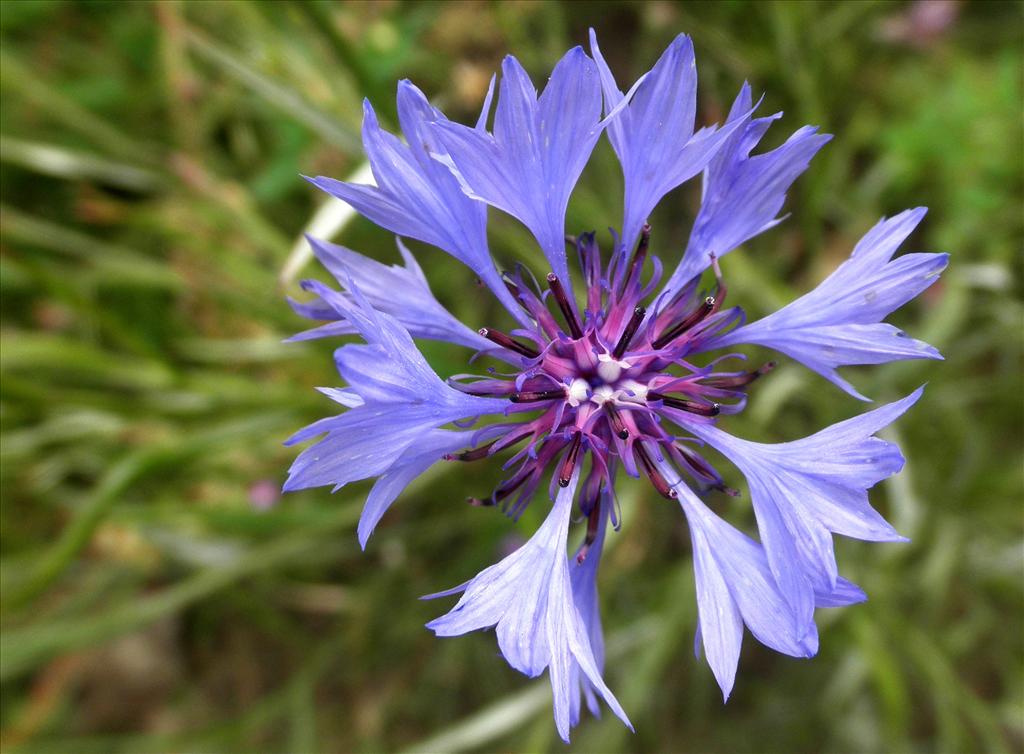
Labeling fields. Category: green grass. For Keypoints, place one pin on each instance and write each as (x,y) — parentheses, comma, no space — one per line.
(151,202)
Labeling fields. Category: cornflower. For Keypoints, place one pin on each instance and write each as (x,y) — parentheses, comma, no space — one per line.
(618,380)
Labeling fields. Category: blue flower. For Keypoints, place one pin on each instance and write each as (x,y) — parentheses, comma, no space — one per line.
(621,377)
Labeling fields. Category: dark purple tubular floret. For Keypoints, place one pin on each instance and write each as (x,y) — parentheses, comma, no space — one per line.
(603,386)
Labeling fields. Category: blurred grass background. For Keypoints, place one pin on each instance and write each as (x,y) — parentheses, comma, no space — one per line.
(156,593)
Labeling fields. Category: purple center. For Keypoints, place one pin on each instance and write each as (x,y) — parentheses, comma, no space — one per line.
(603,382)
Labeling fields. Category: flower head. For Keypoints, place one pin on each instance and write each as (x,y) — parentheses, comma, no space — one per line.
(618,377)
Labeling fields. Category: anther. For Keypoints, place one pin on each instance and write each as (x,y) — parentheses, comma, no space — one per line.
(477,502)
(536,395)
(616,421)
(740,380)
(565,305)
(693,318)
(629,332)
(505,341)
(701,409)
(565,475)
(657,479)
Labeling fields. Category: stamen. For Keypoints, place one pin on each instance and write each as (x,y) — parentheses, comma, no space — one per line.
(662,486)
(629,332)
(565,475)
(593,524)
(536,395)
(591,493)
(512,287)
(692,319)
(509,486)
(483,389)
(470,455)
(701,409)
(697,463)
(484,450)
(529,301)
(565,305)
(505,341)
(639,255)
(616,421)
(740,380)
(590,263)
(477,502)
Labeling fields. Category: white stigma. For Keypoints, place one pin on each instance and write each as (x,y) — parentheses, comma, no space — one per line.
(578,392)
(609,369)
(633,391)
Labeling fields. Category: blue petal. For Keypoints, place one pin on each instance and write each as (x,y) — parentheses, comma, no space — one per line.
(782,535)
(427,450)
(346,398)
(743,194)
(823,348)
(565,624)
(720,623)
(845,593)
(359,444)
(401,399)
(528,596)
(735,586)
(416,309)
(839,322)
(653,136)
(329,330)
(583,577)
(803,491)
(416,197)
(390,368)
(531,163)
(764,608)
